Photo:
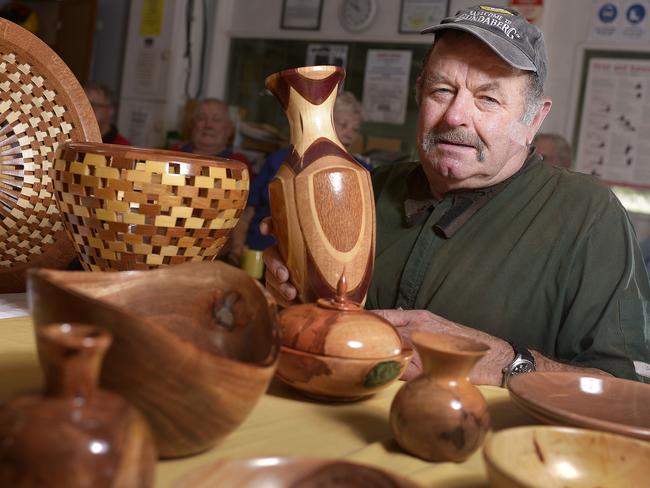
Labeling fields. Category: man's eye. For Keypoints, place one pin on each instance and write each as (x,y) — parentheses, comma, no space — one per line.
(440,91)
(490,100)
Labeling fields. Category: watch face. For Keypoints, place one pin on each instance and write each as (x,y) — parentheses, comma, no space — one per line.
(523,367)
(356,15)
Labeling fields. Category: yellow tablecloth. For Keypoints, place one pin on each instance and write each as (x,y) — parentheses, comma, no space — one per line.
(285,424)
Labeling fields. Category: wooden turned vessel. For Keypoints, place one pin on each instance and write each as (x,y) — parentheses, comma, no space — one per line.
(335,350)
(194,346)
(321,198)
(41,106)
(441,415)
(130,208)
(75,434)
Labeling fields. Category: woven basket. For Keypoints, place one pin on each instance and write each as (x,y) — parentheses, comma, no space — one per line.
(41,106)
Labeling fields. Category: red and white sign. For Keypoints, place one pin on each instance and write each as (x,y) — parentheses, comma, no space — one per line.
(533,10)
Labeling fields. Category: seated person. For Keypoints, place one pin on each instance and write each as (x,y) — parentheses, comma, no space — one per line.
(554,148)
(347,122)
(482,239)
(103,102)
(212,132)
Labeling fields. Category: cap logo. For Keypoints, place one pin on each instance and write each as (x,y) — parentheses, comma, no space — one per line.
(496,10)
(491,18)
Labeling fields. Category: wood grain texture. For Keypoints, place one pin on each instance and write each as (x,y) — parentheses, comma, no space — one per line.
(562,457)
(291,473)
(128,208)
(41,106)
(440,416)
(321,199)
(195,345)
(75,434)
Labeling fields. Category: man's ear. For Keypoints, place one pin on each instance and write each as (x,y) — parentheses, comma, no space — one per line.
(544,109)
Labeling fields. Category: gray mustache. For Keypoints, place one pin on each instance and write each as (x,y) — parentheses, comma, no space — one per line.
(455,136)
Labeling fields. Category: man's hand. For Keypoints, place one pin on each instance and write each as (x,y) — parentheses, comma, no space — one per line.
(489,369)
(486,372)
(276,272)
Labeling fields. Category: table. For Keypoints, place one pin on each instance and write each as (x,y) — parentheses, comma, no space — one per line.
(283,423)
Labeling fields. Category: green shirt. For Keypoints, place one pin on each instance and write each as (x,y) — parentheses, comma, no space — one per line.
(547,259)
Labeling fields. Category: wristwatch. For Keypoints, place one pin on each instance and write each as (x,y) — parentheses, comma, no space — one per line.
(524,362)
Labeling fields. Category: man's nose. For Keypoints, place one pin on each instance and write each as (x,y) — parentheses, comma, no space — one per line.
(458,112)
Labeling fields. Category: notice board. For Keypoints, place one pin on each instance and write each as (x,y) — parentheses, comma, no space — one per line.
(612,133)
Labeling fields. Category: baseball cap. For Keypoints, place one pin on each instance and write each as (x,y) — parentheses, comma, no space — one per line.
(518,42)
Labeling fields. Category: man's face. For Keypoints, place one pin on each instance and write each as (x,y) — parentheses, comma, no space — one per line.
(470,129)
(102,108)
(212,127)
(347,126)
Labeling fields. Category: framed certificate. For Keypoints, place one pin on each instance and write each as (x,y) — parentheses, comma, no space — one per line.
(415,15)
(301,14)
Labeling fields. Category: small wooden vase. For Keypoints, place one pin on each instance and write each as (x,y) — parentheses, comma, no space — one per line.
(321,199)
(440,415)
(75,434)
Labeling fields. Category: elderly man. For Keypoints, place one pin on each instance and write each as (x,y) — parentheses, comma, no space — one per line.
(540,264)
(212,132)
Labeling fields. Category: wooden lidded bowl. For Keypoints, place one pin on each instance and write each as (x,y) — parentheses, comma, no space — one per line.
(336,350)
(42,105)
(128,208)
(194,346)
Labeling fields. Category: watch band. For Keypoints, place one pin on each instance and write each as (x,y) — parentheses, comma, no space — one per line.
(523,362)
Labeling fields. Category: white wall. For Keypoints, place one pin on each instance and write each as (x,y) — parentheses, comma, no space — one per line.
(565,24)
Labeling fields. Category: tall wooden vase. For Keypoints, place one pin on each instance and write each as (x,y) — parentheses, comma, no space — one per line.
(75,435)
(322,204)
(440,415)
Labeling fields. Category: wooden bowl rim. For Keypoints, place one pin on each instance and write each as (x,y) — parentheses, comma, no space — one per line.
(404,355)
(45,274)
(507,469)
(151,154)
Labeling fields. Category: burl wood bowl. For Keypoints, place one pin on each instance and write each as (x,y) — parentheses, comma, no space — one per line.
(549,457)
(335,350)
(194,346)
(274,472)
(127,208)
(41,106)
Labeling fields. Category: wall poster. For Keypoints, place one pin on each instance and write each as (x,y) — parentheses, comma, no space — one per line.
(386,85)
(614,118)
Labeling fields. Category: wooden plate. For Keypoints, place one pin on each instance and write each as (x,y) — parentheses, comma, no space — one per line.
(41,105)
(590,401)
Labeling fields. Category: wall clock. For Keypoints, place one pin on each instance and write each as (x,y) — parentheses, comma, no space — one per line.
(357,15)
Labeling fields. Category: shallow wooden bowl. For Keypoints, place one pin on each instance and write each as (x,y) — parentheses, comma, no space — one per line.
(274,472)
(339,379)
(548,457)
(41,106)
(128,208)
(194,346)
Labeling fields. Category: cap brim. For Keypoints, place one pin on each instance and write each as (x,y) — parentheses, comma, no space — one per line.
(506,51)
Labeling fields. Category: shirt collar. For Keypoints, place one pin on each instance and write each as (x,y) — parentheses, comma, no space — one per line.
(464,204)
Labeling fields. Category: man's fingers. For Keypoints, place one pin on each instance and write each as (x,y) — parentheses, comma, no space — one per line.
(395,317)
(274,264)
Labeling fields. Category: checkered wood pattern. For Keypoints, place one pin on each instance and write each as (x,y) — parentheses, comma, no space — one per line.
(141,210)
(32,125)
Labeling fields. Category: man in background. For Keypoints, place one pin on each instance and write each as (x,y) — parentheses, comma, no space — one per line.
(103,102)
(554,148)
(212,132)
